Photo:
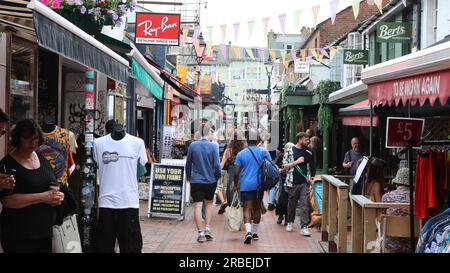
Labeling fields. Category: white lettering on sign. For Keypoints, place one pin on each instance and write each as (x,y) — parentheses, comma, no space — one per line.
(349,57)
(148,30)
(386,33)
(425,86)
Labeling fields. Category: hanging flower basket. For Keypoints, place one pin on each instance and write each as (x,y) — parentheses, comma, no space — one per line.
(83,21)
(91,15)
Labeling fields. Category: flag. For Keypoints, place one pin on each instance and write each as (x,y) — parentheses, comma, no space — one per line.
(250,53)
(196,34)
(355,8)
(223,29)
(223,50)
(379,4)
(333,52)
(273,55)
(404,3)
(236,30)
(286,64)
(265,25)
(210,31)
(236,52)
(185,34)
(282,18)
(315,10)
(303,54)
(297,17)
(309,60)
(283,54)
(182,71)
(324,52)
(262,53)
(333,9)
(250,25)
(293,54)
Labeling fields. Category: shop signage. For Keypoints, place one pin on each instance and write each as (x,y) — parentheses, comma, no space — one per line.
(167,187)
(394,32)
(157,29)
(353,56)
(167,141)
(301,67)
(404,132)
(429,86)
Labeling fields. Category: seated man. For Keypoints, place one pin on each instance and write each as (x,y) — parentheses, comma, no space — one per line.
(400,195)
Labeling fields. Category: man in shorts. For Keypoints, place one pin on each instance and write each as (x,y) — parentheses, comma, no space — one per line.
(203,171)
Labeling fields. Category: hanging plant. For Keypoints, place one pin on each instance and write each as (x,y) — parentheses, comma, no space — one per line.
(108,12)
(324,114)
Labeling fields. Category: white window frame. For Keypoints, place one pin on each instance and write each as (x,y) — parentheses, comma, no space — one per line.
(258,73)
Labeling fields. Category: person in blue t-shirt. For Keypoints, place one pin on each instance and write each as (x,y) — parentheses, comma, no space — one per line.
(248,173)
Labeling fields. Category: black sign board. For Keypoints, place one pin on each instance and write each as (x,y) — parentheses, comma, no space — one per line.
(167,186)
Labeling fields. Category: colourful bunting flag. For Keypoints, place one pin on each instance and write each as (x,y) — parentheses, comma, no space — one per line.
(210,33)
(250,53)
(283,54)
(379,4)
(293,54)
(333,9)
(355,8)
(185,34)
(197,30)
(223,50)
(273,55)
(265,25)
(314,53)
(297,17)
(404,3)
(303,54)
(236,30)
(262,53)
(315,10)
(282,18)
(309,60)
(223,29)
(286,64)
(182,72)
(324,52)
(236,52)
(250,25)
(333,52)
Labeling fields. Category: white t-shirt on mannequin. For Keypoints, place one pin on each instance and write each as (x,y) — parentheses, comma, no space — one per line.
(117,162)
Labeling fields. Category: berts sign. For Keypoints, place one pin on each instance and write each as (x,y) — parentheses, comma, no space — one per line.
(157,29)
(394,32)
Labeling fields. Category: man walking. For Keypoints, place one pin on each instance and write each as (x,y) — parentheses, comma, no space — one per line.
(296,162)
(203,171)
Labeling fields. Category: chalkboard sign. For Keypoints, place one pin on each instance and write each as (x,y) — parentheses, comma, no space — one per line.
(166,194)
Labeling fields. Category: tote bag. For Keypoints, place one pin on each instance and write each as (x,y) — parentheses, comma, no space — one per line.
(235,214)
(66,238)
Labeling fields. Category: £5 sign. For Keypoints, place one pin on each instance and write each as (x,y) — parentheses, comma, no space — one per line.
(404,132)
(157,29)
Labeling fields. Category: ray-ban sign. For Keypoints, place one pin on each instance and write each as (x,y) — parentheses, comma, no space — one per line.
(157,29)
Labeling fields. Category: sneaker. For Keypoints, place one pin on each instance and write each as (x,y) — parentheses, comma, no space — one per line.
(222,208)
(289,227)
(305,232)
(255,237)
(208,235)
(271,207)
(280,220)
(201,238)
(248,238)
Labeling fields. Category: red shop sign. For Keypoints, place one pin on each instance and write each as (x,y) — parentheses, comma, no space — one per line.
(403,132)
(421,87)
(157,29)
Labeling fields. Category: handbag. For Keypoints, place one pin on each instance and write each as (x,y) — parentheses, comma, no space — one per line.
(66,238)
(235,214)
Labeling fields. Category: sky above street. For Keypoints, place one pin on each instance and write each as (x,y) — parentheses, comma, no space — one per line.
(229,12)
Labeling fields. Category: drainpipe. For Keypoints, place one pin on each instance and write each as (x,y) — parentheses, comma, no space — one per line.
(419,24)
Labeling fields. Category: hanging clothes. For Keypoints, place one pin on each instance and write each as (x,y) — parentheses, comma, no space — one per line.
(424,195)
(435,234)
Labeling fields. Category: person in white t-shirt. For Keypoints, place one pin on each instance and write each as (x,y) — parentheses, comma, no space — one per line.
(117,155)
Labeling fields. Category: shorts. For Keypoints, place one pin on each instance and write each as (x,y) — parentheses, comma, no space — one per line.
(200,192)
(223,181)
(251,195)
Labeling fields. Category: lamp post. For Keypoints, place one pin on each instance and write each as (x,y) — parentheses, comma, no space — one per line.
(269,69)
(199,48)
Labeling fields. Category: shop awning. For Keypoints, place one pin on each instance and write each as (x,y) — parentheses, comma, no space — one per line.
(57,34)
(179,91)
(358,114)
(145,73)
(352,91)
(419,76)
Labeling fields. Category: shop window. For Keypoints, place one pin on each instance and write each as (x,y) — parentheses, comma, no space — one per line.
(22,83)
(252,73)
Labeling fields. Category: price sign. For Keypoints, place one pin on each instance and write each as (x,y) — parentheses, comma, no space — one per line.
(403,132)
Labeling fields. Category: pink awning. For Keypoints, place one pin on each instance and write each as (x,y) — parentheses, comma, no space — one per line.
(429,86)
(361,120)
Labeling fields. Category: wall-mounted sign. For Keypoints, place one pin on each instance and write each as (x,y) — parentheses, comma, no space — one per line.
(394,32)
(356,56)
(301,67)
(157,29)
(404,132)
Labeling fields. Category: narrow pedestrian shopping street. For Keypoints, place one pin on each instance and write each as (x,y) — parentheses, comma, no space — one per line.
(169,235)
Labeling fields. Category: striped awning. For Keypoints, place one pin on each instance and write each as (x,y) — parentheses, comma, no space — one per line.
(15,13)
